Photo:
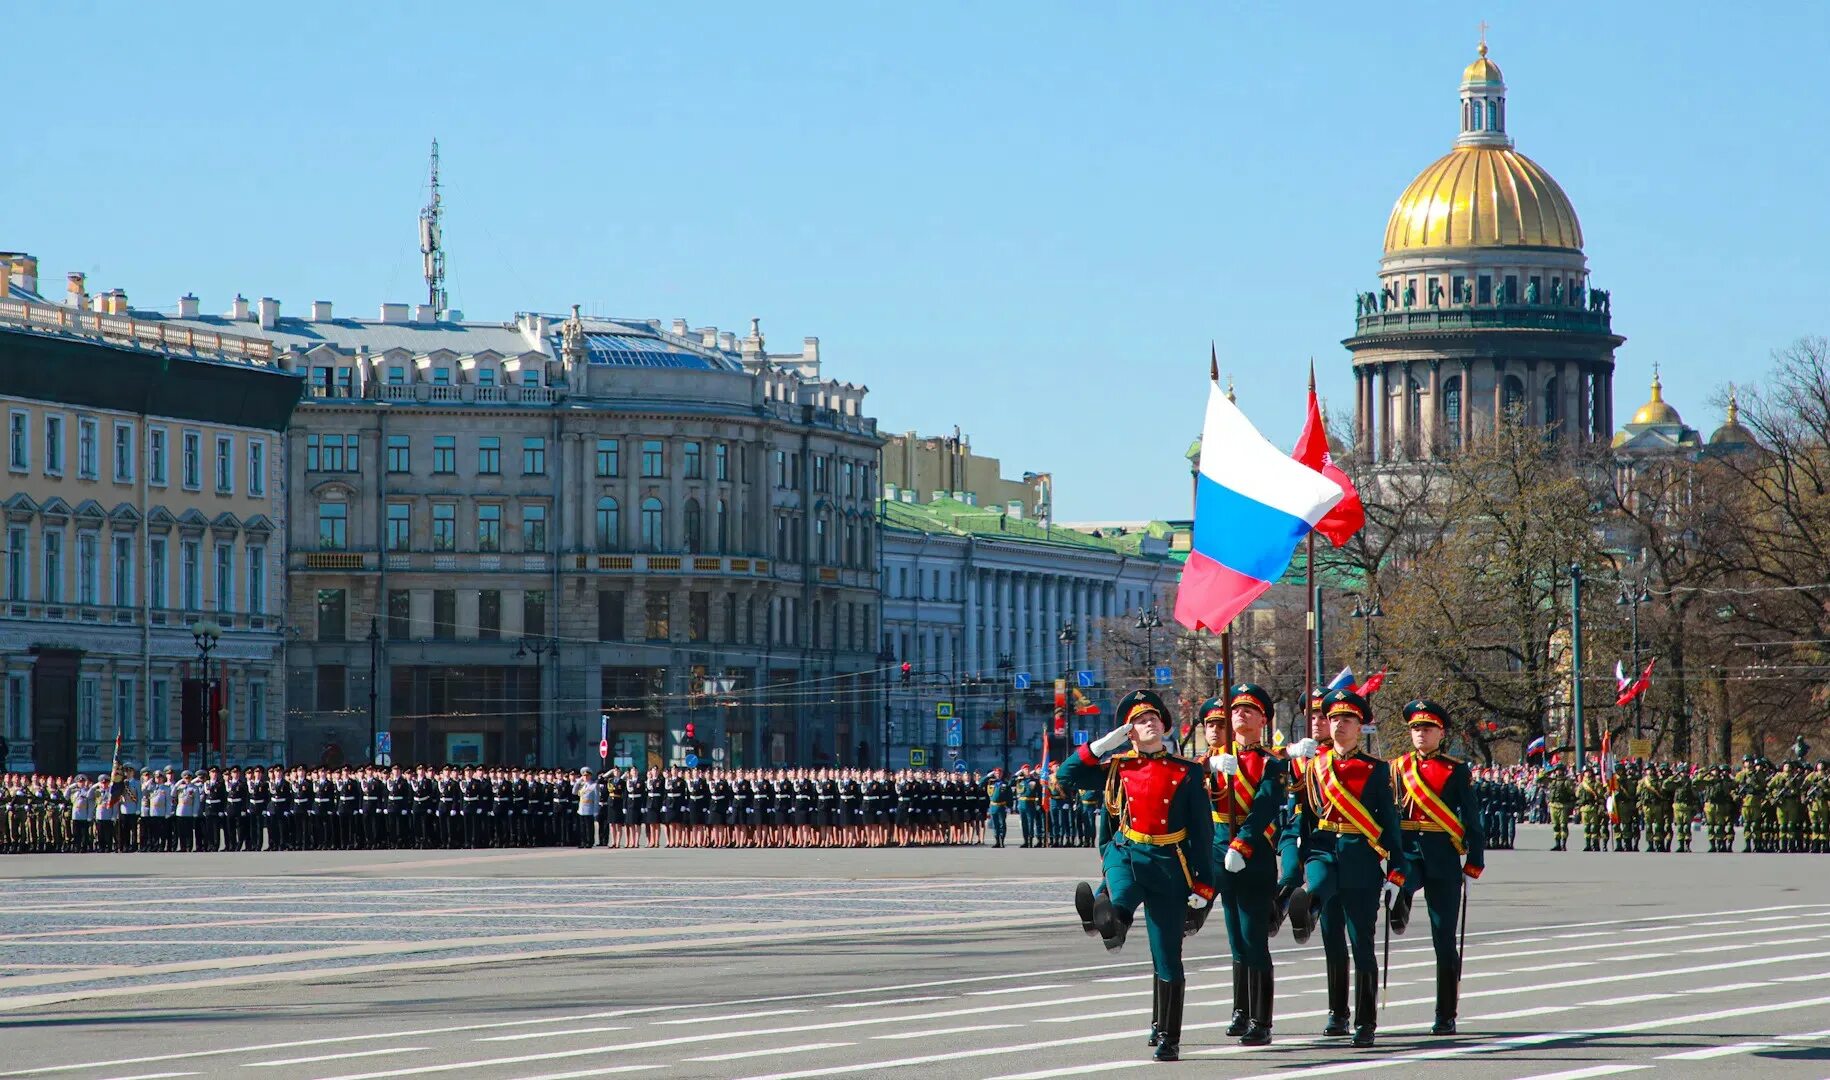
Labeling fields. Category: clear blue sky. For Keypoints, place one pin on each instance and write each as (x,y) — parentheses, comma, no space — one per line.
(1027,219)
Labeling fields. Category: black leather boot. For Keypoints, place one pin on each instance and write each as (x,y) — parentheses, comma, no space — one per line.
(1401,913)
(1170,1049)
(1156,1010)
(1259,994)
(1337,996)
(1111,923)
(1365,1006)
(1448,990)
(1083,906)
(1242,1001)
(1302,918)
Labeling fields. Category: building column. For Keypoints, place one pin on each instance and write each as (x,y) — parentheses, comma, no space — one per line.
(1360,439)
(1499,393)
(1383,408)
(1433,428)
(970,629)
(1003,644)
(1467,402)
(1534,395)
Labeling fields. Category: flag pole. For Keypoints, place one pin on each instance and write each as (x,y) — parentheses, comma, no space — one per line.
(1312,627)
(1226,707)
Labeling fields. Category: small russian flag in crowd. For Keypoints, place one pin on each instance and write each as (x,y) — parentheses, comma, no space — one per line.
(1535,748)
(1253,503)
(1343,681)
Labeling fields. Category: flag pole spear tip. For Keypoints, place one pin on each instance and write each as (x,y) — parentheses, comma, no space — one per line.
(1312,374)
(1213,361)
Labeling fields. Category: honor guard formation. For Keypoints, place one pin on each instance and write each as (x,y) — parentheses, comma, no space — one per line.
(1776,808)
(300,809)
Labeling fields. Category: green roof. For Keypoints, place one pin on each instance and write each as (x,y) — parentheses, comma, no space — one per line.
(961,519)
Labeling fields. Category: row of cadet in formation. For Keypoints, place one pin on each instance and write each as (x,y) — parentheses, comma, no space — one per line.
(1783,808)
(348,808)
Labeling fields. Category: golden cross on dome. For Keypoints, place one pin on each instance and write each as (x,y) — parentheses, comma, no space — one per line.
(1484,27)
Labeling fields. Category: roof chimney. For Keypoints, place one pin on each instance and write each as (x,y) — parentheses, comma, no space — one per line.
(679,327)
(187,306)
(6,279)
(238,308)
(79,293)
(320,311)
(270,312)
(116,302)
(810,350)
(425,313)
(393,313)
(25,269)
(727,340)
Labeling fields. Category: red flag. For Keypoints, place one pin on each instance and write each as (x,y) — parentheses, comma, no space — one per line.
(1372,684)
(1637,686)
(1349,515)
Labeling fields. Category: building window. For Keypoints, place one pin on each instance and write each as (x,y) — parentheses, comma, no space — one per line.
(489,455)
(819,540)
(654,534)
(733,630)
(121,573)
(489,615)
(655,617)
(444,454)
(333,526)
(123,707)
(781,468)
(19,440)
(400,614)
(257,467)
(123,453)
(397,376)
(257,579)
(155,573)
(698,616)
(86,568)
(15,707)
(159,711)
(693,461)
(819,472)
(609,458)
(489,527)
(530,377)
(653,464)
(333,688)
(486,376)
(400,457)
(533,528)
(609,524)
(54,445)
(441,376)
(400,526)
(193,460)
(155,457)
(533,457)
(225,577)
(87,452)
(694,526)
(721,462)
(88,708)
(53,567)
(444,527)
(720,527)
(257,710)
(190,575)
(609,615)
(332,614)
(225,464)
(848,479)
(533,612)
(16,569)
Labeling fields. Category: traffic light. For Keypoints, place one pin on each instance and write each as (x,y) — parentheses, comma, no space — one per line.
(689,731)
(908,672)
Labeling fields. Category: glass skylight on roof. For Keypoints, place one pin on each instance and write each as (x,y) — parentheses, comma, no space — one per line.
(627,350)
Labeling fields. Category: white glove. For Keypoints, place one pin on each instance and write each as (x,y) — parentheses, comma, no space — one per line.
(1197,901)
(1235,862)
(1388,895)
(1111,740)
(1225,764)
(1305,748)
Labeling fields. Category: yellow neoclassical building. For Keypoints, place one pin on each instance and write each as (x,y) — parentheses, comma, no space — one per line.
(142,493)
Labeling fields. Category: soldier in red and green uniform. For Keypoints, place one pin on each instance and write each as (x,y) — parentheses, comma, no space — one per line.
(1444,845)
(1353,859)
(1161,855)
(1247,782)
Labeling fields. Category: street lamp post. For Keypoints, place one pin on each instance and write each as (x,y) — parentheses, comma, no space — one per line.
(1638,595)
(207,634)
(886,658)
(374,673)
(1149,622)
(1068,635)
(1005,670)
(541,648)
(1366,615)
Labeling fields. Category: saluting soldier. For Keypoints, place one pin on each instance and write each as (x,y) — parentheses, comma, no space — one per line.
(1248,783)
(1350,827)
(1162,857)
(1444,845)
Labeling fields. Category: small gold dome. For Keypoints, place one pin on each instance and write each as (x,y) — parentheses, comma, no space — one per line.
(1733,432)
(1657,411)
(1482,70)
(1483,196)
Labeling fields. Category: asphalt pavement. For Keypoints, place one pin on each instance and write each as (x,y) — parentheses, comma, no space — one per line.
(553,965)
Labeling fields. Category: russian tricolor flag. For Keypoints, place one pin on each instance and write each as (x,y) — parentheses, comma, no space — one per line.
(1253,503)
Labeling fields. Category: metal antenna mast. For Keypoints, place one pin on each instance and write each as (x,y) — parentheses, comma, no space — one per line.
(431,244)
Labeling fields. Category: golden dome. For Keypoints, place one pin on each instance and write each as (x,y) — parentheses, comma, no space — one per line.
(1657,411)
(1482,70)
(1483,196)
(1733,432)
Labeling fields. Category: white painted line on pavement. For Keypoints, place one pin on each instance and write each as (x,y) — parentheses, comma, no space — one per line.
(1630,999)
(804,1048)
(152,1076)
(1584,1074)
(1012,989)
(1541,1010)
(1804,978)
(732,1016)
(1709,1052)
(1559,966)
(944,1031)
(336,1057)
(885,1004)
(606,1071)
(1725,988)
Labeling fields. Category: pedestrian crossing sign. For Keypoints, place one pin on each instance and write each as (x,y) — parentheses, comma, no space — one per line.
(918,757)
(943,710)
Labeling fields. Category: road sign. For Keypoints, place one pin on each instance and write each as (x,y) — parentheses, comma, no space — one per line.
(1220,670)
(1084,679)
(1082,736)
(1639,748)
(717,753)
(603,748)
(1164,675)
(959,766)
(955,733)
(918,757)
(943,710)
(384,759)
(692,761)
(384,744)
(1022,680)
(954,740)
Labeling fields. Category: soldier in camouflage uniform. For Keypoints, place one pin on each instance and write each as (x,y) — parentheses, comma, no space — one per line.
(1683,804)
(1655,809)
(1560,795)
(1626,807)
(1592,797)
(1787,796)
(1750,788)
(1817,787)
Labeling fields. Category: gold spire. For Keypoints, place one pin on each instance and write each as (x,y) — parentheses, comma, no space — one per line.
(1656,411)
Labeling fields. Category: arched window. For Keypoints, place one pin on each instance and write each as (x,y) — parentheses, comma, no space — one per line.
(1513,398)
(821,549)
(609,525)
(721,527)
(653,531)
(695,531)
(1451,409)
(1478,121)
(1552,416)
